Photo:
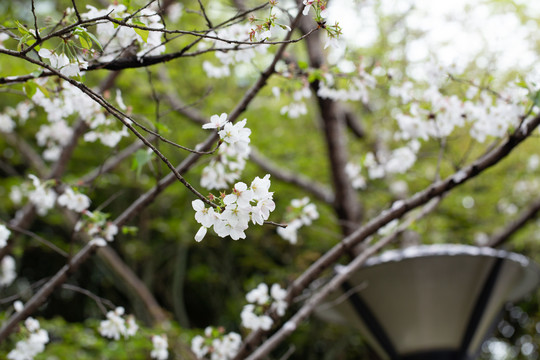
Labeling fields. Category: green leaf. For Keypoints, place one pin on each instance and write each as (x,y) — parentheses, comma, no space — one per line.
(22,29)
(303,65)
(95,40)
(30,88)
(84,43)
(142,33)
(129,230)
(141,158)
(43,90)
(536,98)
(162,129)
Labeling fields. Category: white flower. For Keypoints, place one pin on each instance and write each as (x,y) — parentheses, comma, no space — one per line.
(98,241)
(259,295)
(353,173)
(332,42)
(7,271)
(241,195)
(203,215)
(261,211)
(110,231)
(161,344)
(260,187)
(114,326)
(198,347)
(18,306)
(309,213)
(4,235)
(215,71)
(308,4)
(216,122)
(237,135)
(324,13)
(131,326)
(74,201)
(200,234)
(42,197)
(35,344)
(6,123)
(278,294)
(227,347)
(251,321)
(290,233)
(31,324)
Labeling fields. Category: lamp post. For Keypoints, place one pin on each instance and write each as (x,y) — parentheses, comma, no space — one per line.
(431,302)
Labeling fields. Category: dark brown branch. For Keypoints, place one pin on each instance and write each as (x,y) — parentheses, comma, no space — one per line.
(504,234)
(332,117)
(353,123)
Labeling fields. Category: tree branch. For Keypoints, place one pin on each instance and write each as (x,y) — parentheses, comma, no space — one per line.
(504,234)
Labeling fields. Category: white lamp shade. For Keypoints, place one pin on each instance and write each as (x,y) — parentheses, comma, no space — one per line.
(437,301)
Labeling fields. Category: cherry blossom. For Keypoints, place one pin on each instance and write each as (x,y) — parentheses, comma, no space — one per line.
(308,4)
(42,196)
(28,348)
(7,271)
(4,235)
(301,213)
(6,123)
(259,295)
(74,201)
(161,345)
(216,122)
(116,326)
(252,321)
(216,345)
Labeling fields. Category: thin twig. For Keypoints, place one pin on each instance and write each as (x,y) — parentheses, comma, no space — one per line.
(99,300)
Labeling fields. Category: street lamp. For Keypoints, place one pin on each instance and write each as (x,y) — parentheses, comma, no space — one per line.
(431,302)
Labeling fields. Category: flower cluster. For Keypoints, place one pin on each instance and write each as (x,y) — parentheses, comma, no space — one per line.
(253,314)
(301,212)
(433,114)
(117,38)
(216,345)
(232,154)
(116,326)
(69,100)
(22,111)
(7,271)
(161,345)
(74,200)
(232,216)
(4,235)
(35,343)
(42,196)
(95,224)
(396,162)
(238,54)
(62,63)
(353,172)
(297,107)
(360,83)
